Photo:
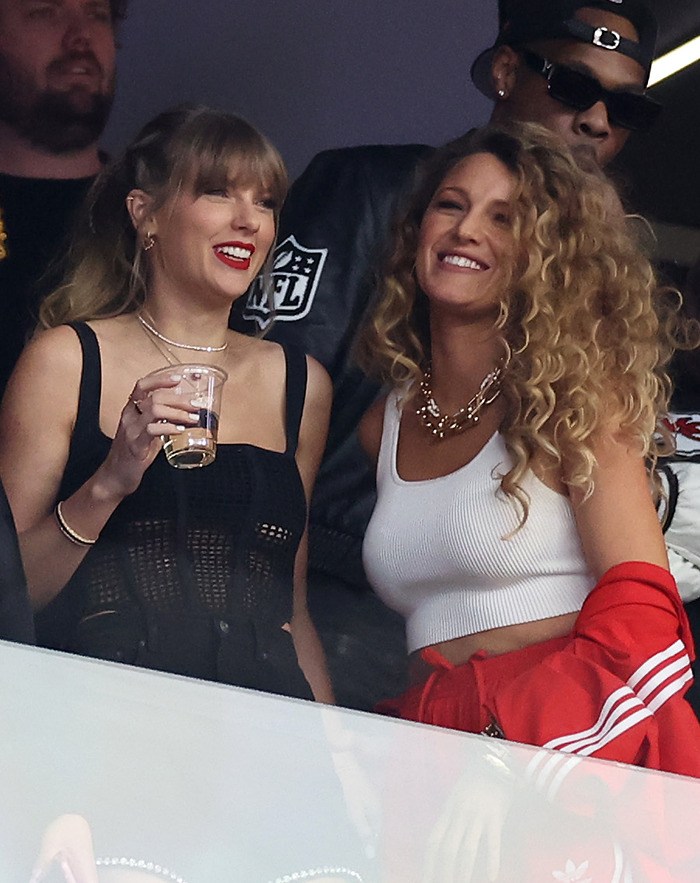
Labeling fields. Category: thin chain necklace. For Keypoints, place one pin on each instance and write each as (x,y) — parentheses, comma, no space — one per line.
(181,346)
(169,356)
(443,425)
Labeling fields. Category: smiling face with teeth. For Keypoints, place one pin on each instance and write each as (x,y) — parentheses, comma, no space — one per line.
(214,243)
(465,244)
(57,70)
(205,195)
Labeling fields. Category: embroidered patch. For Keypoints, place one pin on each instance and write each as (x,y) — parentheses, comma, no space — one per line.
(296,272)
(686,430)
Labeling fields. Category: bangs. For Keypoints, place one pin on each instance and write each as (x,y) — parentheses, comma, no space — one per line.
(238,168)
(218,151)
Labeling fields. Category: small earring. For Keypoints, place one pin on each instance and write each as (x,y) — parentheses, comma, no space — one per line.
(149,241)
(501,93)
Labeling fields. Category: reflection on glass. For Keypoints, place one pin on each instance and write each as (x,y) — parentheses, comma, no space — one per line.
(118,775)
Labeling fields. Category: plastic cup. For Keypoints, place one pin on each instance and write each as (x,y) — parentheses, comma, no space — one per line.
(200,385)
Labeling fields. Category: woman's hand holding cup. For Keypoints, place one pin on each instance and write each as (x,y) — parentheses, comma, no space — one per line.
(154,411)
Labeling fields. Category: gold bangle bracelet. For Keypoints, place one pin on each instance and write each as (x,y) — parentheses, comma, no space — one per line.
(68,531)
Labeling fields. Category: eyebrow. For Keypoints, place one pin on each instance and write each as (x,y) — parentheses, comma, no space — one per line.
(443,190)
(453,187)
(582,68)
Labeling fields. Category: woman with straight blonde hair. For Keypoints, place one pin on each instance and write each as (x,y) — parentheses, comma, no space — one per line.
(199,571)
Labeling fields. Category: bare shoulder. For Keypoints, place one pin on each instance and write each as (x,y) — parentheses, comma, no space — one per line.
(46,379)
(37,419)
(615,451)
(319,384)
(370,428)
(58,346)
(317,401)
(116,330)
(264,357)
(50,365)
(618,521)
(270,357)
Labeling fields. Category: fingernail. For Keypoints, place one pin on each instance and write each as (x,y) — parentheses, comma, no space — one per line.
(180,427)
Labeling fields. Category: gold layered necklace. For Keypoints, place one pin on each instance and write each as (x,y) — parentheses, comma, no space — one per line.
(444,425)
(164,351)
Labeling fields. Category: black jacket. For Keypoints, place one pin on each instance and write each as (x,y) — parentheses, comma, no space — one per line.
(333,233)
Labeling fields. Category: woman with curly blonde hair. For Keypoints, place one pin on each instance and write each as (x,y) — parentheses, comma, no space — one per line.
(515,529)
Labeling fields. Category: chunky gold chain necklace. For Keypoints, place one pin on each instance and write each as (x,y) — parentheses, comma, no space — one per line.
(443,425)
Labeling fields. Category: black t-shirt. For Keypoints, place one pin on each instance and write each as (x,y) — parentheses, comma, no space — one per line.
(37,216)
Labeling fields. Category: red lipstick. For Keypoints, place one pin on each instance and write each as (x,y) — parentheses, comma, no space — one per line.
(236,255)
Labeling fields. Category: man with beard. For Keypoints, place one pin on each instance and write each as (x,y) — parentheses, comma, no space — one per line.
(57,71)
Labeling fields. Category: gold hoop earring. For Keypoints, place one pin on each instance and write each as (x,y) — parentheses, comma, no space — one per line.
(149,241)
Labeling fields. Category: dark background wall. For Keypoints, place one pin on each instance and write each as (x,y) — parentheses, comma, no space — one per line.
(309,73)
(324,73)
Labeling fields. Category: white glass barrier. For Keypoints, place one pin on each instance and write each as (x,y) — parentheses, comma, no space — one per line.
(131,776)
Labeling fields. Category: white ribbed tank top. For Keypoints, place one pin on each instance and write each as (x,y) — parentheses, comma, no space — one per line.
(435,549)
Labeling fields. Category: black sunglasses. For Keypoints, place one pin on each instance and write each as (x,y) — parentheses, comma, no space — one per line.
(630,110)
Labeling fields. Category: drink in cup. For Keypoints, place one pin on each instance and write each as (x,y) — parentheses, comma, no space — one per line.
(200,385)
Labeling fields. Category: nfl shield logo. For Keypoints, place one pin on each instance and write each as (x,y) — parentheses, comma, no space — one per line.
(296,272)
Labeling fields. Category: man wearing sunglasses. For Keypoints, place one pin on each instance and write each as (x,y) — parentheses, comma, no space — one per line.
(579,67)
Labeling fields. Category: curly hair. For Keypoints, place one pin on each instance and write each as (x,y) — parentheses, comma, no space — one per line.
(187,147)
(588,331)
